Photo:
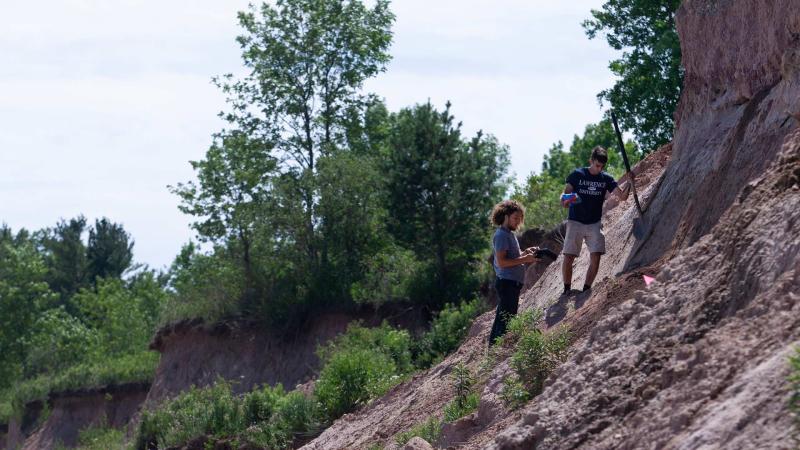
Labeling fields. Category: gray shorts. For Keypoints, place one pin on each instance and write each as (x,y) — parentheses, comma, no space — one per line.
(578,232)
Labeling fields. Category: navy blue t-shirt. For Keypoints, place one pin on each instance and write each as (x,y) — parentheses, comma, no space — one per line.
(592,191)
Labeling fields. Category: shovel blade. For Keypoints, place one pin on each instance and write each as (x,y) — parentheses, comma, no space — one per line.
(638,228)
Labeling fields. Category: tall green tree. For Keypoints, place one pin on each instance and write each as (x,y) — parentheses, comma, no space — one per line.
(64,254)
(649,71)
(308,61)
(234,195)
(109,251)
(24,293)
(441,189)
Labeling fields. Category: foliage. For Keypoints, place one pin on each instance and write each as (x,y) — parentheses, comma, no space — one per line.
(109,251)
(360,365)
(440,190)
(101,437)
(206,286)
(466,400)
(351,378)
(430,430)
(535,356)
(448,329)
(389,276)
(23,295)
(649,71)
(58,341)
(131,368)
(385,339)
(266,417)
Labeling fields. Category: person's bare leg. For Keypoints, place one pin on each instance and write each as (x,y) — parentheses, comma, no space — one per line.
(594,265)
(566,270)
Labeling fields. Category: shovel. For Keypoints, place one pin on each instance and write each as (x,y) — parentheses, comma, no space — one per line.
(638,226)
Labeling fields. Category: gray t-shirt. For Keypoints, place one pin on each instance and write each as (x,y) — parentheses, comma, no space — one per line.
(504,240)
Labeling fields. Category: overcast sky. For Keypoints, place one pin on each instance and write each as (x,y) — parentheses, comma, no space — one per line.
(104,102)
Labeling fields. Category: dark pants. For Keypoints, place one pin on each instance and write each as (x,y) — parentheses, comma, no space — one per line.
(508,292)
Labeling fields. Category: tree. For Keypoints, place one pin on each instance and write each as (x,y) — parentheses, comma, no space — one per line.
(23,295)
(308,61)
(233,194)
(650,69)
(65,257)
(440,191)
(110,250)
(559,163)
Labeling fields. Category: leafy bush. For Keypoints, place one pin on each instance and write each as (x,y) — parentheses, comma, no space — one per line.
(448,329)
(430,430)
(59,341)
(394,343)
(353,377)
(101,437)
(204,286)
(265,417)
(535,356)
(466,400)
(389,276)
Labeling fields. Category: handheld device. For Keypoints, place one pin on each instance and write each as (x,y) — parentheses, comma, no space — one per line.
(572,198)
(545,252)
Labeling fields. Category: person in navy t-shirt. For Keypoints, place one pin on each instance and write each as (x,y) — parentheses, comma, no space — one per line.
(591,185)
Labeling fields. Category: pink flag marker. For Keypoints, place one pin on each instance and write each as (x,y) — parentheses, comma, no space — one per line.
(648,280)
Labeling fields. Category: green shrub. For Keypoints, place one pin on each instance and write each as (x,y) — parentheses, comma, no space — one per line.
(430,430)
(448,329)
(59,341)
(266,417)
(535,356)
(205,286)
(352,377)
(466,401)
(389,276)
(394,343)
(101,437)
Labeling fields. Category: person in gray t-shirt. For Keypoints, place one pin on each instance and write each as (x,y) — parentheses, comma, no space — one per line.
(509,263)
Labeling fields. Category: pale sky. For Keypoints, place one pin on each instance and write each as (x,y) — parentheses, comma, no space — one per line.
(104,102)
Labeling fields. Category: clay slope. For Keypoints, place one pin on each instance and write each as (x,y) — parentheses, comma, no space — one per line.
(427,393)
(699,361)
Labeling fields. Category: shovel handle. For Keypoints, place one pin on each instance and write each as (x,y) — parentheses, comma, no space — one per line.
(621,145)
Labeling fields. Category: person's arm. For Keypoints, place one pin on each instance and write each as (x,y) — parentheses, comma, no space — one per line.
(504,262)
(622,192)
(568,189)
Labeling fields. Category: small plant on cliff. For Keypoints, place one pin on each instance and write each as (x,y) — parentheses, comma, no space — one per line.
(466,400)
(535,356)
(794,400)
(430,430)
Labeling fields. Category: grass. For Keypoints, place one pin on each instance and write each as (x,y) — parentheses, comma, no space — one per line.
(138,367)
(430,430)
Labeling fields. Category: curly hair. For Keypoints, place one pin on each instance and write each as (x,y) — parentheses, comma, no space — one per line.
(505,208)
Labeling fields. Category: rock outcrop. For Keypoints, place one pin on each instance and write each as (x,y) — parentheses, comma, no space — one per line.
(72,411)
(699,360)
